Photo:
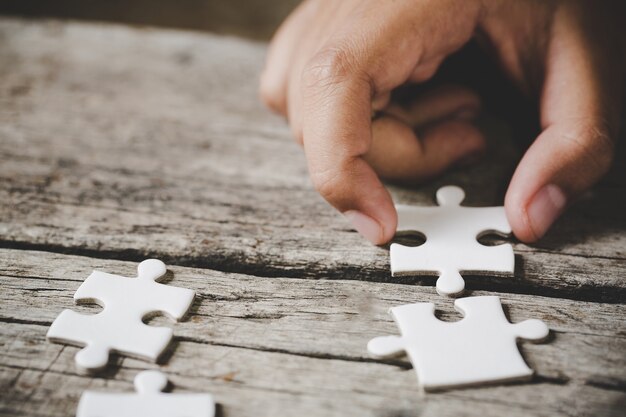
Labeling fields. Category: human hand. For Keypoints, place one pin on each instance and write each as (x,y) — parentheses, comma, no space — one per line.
(333,63)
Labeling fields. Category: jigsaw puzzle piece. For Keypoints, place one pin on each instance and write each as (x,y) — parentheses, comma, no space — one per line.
(451,247)
(479,348)
(119,327)
(148,401)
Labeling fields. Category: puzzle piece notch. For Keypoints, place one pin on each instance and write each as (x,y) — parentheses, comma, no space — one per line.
(148,401)
(119,327)
(479,348)
(451,247)
(450,196)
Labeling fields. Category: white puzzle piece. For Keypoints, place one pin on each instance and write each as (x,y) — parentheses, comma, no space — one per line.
(479,348)
(149,401)
(451,246)
(119,326)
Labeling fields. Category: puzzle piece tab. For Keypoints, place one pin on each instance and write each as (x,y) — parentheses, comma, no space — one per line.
(148,401)
(451,246)
(479,348)
(119,326)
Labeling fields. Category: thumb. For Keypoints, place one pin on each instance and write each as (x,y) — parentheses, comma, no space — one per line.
(579,114)
(565,160)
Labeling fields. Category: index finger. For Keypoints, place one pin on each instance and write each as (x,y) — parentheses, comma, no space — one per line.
(376,52)
(336,130)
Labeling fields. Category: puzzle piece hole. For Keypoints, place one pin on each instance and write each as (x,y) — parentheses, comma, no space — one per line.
(410,238)
(88,306)
(492,238)
(166,278)
(158,318)
(447,313)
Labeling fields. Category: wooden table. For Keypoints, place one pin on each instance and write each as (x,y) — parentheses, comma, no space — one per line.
(119,144)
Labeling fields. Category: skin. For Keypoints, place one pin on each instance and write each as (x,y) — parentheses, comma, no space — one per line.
(332,64)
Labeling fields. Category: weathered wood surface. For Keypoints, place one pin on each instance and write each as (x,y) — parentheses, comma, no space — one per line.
(299,346)
(118,144)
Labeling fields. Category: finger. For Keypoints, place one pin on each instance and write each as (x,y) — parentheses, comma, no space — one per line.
(337,87)
(441,103)
(336,127)
(445,102)
(273,84)
(565,160)
(579,109)
(397,154)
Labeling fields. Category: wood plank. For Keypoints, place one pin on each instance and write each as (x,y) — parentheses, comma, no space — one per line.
(294,390)
(265,344)
(127,143)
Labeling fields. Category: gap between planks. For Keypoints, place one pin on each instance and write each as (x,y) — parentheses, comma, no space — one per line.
(356,273)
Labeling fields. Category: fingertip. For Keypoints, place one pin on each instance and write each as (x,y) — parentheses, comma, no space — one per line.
(531,218)
(545,207)
(366,204)
(368,227)
(517,216)
(376,231)
(388,218)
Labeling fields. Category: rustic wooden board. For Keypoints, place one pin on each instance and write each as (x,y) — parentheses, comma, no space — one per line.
(118,144)
(298,344)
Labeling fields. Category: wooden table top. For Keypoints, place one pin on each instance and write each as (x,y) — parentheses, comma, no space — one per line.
(118,144)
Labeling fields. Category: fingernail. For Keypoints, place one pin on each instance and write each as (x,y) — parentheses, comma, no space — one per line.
(365,225)
(545,207)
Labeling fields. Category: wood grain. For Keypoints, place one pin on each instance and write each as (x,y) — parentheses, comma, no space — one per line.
(257,337)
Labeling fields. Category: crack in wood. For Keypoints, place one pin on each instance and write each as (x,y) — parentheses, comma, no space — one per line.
(589,292)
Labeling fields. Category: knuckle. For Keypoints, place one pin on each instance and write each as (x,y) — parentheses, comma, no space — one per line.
(328,67)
